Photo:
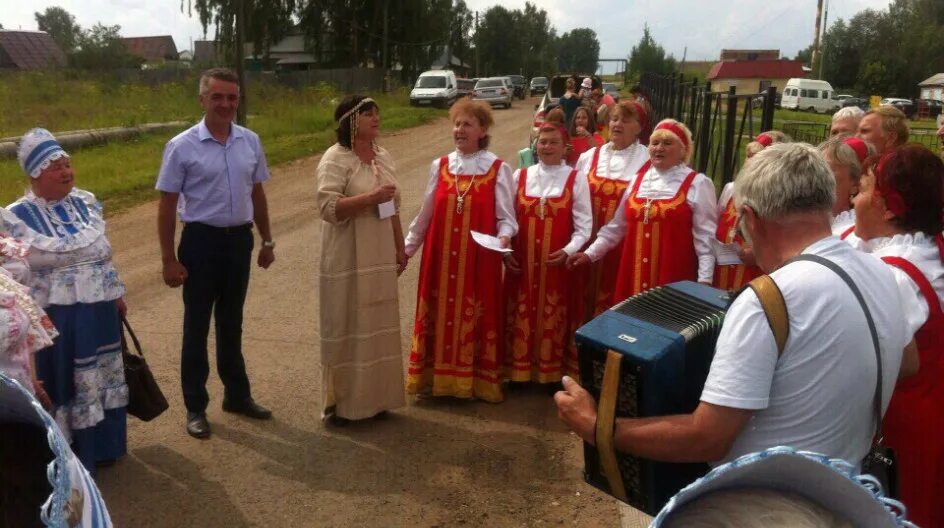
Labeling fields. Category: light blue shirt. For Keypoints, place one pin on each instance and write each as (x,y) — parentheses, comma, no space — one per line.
(214,180)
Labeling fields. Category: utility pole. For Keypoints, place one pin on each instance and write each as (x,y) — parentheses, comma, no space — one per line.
(477,44)
(814,59)
(822,57)
(386,65)
(242,109)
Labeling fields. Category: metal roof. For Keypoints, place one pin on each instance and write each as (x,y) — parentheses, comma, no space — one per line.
(152,49)
(934,80)
(31,50)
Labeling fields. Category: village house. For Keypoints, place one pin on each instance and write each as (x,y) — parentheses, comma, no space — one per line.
(753,71)
(29,50)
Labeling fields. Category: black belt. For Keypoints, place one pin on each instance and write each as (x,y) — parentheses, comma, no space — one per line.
(228,230)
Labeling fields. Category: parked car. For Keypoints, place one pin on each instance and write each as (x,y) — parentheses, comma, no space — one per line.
(906,106)
(611,90)
(435,88)
(861,102)
(934,107)
(556,87)
(520,85)
(494,91)
(538,85)
(465,87)
(811,95)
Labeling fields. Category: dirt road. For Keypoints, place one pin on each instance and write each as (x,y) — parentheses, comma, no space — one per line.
(433,463)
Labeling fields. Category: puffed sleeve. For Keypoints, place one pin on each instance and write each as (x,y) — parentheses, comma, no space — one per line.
(913,304)
(505,203)
(333,176)
(701,198)
(419,225)
(583,216)
(610,235)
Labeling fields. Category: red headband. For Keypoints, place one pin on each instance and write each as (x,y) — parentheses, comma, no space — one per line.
(560,128)
(764,139)
(859,146)
(675,129)
(893,200)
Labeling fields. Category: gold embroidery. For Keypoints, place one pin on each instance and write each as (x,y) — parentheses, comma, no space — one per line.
(443,290)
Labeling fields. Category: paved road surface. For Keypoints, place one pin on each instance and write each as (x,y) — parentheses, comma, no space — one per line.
(433,463)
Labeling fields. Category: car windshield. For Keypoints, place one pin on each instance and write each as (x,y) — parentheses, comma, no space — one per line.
(609,87)
(464,83)
(539,80)
(431,82)
(517,78)
(490,83)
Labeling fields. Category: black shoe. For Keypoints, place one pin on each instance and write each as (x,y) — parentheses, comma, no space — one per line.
(248,408)
(197,425)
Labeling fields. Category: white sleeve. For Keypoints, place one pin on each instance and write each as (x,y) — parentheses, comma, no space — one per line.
(611,234)
(583,216)
(419,225)
(913,304)
(701,197)
(583,163)
(726,193)
(742,371)
(505,202)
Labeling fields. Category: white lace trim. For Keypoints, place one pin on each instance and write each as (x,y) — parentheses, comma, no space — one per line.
(47,162)
(87,233)
(904,239)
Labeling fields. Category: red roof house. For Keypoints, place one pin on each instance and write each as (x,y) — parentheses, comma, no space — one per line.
(152,49)
(753,76)
(29,50)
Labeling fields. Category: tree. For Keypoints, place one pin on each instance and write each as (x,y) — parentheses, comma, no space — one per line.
(61,26)
(579,51)
(101,48)
(266,22)
(650,57)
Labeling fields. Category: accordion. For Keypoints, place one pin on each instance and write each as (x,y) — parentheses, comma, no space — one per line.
(647,356)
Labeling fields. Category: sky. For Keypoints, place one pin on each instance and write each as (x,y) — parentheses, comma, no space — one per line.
(704,27)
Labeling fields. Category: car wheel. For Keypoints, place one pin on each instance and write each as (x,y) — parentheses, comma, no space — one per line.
(811,109)
(508,105)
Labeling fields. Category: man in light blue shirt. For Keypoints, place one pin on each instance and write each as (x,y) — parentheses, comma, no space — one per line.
(212,175)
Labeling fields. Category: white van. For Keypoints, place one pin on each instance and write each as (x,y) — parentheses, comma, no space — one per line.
(435,88)
(811,95)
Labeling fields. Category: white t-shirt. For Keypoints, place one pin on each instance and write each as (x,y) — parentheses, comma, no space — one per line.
(819,395)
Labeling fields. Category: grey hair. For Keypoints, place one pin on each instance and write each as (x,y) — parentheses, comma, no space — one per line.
(220,74)
(849,112)
(836,148)
(775,136)
(754,508)
(785,179)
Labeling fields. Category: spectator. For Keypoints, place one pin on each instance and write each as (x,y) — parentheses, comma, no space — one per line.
(583,135)
(845,156)
(764,140)
(885,127)
(818,394)
(846,121)
(569,101)
(898,218)
(586,89)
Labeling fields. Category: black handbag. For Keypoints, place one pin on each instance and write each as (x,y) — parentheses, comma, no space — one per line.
(880,460)
(145,399)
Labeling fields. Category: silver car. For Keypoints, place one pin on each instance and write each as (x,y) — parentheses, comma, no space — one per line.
(494,91)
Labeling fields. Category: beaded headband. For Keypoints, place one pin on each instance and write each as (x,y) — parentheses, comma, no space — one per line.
(357,107)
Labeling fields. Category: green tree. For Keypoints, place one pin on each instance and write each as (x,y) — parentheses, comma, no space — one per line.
(101,48)
(579,51)
(266,22)
(61,26)
(650,57)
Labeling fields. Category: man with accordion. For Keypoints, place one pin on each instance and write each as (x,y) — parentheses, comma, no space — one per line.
(813,377)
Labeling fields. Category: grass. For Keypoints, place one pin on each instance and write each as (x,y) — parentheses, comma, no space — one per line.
(292,123)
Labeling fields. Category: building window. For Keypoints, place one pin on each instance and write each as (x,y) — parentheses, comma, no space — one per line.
(764,85)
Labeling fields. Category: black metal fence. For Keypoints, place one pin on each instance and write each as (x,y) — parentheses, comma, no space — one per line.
(816,133)
(722,123)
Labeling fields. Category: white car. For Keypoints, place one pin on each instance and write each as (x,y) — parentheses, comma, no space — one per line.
(494,91)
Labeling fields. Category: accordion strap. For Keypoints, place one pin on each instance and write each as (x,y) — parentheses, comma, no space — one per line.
(775,308)
(606,420)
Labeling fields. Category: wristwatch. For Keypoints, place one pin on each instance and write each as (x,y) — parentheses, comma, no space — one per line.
(268,244)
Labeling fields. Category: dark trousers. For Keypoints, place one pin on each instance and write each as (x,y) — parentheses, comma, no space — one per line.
(217,262)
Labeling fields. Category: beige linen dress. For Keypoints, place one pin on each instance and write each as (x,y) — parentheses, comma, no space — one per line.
(359,312)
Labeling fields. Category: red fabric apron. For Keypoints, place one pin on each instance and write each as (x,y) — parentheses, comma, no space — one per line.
(845,234)
(914,421)
(540,303)
(659,247)
(600,277)
(457,335)
(732,276)
(579,145)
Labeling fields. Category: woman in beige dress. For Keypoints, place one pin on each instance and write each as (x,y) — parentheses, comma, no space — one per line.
(361,255)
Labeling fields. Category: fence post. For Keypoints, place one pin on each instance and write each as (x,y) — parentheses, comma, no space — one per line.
(670,107)
(727,165)
(704,141)
(680,98)
(767,120)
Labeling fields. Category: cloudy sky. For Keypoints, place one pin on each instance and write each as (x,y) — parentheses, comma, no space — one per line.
(703,26)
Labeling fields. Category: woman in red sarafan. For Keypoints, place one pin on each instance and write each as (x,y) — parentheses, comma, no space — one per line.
(554,219)
(609,170)
(898,219)
(666,221)
(457,346)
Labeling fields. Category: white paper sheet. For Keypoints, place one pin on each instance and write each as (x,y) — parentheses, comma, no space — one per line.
(489,242)
(386,209)
(725,254)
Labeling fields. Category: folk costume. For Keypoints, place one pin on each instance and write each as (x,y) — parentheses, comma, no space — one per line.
(457,347)
(553,213)
(361,359)
(74,280)
(666,222)
(609,172)
(731,276)
(914,424)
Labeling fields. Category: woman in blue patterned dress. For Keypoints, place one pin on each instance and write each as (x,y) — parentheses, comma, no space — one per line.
(74,280)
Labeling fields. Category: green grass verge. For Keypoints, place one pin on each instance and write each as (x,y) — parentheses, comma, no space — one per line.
(291,123)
